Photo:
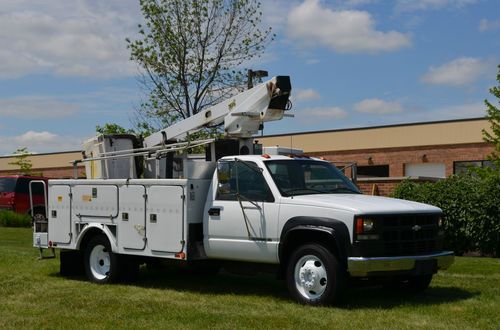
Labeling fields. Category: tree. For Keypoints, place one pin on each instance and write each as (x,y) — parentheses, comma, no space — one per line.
(494,119)
(191,53)
(21,155)
(112,129)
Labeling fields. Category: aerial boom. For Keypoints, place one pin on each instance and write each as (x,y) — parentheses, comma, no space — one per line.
(242,114)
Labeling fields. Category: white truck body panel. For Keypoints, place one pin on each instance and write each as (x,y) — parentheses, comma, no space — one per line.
(165,216)
(140,217)
(60,224)
(131,234)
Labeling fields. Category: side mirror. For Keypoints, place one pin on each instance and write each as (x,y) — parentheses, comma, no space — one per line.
(223,178)
(223,172)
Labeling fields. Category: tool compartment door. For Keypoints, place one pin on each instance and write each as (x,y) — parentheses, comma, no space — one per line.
(59,214)
(132,217)
(164,218)
(91,202)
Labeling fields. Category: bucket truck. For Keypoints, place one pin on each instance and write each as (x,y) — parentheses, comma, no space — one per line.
(239,207)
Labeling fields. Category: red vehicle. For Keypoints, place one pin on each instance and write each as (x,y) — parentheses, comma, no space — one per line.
(14,195)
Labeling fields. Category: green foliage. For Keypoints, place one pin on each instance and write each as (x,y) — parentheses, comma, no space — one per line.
(471,204)
(494,119)
(13,219)
(22,161)
(191,52)
(110,128)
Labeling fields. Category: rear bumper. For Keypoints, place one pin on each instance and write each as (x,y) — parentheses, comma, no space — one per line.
(422,264)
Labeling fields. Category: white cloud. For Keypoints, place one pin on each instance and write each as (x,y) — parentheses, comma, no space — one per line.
(378,106)
(489,25)
(355,3)
(33,107)
(415,5)
(345,31)
(324,113)
(459,72)
(67,38)
(306,95)
(37,142)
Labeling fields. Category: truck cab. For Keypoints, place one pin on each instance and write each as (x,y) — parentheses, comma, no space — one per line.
(305,215)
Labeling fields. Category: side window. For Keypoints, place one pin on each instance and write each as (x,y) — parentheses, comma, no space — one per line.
(244,178)
(22,186)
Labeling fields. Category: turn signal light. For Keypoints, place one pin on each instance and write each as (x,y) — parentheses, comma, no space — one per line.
(180,255)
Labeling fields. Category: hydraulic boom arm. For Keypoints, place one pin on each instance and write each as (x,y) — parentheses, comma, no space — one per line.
(242,114)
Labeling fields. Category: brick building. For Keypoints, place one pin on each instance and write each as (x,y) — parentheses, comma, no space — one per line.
(51,165)
(384,155)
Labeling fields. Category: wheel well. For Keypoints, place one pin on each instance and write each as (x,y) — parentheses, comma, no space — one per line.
(91,233)
(299,237)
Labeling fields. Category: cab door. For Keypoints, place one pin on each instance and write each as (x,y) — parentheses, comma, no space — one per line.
(241,215)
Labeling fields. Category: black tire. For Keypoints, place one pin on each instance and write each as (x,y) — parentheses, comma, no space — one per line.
(39,216)
(101,264)
(314,275)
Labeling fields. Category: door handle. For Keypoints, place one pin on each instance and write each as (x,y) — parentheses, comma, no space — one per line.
(214,211)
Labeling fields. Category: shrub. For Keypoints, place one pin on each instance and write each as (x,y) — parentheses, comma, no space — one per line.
(12,219)
(471,204)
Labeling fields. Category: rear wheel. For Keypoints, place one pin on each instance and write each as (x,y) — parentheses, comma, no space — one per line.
(101,264)
(314,275)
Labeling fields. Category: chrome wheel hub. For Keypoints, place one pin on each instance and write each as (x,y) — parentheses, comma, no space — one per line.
(310,277)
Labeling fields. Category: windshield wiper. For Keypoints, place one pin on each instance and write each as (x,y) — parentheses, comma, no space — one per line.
(305,189)
(343,189)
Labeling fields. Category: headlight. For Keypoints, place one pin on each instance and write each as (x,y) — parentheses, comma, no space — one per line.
(364,225)
(367,224)
(364,229)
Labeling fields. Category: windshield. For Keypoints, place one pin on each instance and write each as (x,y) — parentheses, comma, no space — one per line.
(304,177)
(7,184)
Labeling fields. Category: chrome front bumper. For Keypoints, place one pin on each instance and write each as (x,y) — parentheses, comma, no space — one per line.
(359,266)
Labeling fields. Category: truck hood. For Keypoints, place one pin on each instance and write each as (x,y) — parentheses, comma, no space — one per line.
(361,204)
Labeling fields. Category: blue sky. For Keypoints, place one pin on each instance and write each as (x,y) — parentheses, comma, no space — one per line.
(64,64)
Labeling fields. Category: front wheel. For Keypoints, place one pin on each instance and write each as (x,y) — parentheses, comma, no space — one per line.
(314,275)
(101,264)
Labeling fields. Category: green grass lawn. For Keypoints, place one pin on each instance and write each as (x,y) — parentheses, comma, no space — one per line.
(34,295)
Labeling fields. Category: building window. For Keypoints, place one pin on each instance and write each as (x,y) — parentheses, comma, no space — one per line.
(373,171)
(462,166)
(430,170)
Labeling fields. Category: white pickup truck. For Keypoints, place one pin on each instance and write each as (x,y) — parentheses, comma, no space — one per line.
(297,216)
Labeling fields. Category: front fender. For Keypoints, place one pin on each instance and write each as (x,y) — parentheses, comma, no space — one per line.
(335,229)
